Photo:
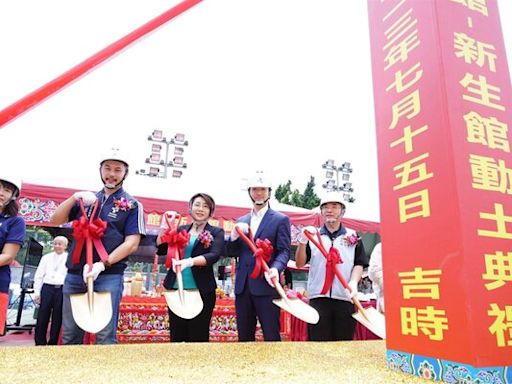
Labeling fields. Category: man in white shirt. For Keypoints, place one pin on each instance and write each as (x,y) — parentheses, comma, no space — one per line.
(48,282)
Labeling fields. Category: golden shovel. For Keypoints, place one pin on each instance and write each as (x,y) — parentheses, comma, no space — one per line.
(293,306)
(369,317)
(185,303)
(92,311)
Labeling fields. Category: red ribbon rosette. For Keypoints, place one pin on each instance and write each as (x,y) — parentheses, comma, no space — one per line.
(262,255)
(333,258)
(176,241)
(88,231)
(262,250)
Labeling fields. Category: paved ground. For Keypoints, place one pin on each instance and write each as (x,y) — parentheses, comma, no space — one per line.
(17,338)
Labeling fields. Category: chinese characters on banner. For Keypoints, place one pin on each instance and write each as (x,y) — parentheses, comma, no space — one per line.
(154,219)
(443,110)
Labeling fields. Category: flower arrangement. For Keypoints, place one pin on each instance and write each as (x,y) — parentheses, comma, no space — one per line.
(205,238)
(122,204)
(351,240)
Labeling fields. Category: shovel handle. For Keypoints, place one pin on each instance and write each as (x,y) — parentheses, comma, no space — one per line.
(275,280)
(179,281)
(356,302)
(280,289)
(248,240)
(90,293)
(170,219)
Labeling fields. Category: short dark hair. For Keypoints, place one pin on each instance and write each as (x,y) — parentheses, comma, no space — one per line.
(207,198)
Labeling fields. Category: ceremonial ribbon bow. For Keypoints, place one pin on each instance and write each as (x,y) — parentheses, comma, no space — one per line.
(176,241)
(333,258)
(262,250)
(88,231)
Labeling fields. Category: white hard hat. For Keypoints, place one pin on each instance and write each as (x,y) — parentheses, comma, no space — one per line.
(259,180)
(332,197)
(14,180)
(114,154)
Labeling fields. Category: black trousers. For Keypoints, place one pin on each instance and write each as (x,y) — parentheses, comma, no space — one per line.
(196,329)
(51,306)
(336,321)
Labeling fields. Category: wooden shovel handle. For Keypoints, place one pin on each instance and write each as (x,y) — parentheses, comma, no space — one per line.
(356,302)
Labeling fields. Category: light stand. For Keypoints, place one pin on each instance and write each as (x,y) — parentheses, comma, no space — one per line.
(156,161)
(333,183)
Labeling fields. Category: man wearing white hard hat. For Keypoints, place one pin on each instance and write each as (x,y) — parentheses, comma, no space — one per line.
(253,296)
(12,236)
(329,297)
(124,216)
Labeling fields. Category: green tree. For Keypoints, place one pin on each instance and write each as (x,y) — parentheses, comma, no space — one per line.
(283,192)
(308,199)
(296,198)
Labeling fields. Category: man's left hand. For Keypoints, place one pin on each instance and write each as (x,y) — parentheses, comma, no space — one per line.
(353,288)
(97,268)
(273,272)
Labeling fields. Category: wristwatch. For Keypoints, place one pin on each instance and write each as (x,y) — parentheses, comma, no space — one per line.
(107,264)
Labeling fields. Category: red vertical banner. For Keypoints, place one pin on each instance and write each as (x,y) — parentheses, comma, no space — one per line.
(443,107)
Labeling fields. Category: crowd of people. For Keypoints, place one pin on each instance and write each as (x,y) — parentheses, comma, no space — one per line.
(116,219)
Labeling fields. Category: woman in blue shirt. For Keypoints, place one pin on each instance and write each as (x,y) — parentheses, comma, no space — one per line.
(12,236)
(205,247)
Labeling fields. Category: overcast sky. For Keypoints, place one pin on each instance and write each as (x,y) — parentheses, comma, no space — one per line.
(242,79)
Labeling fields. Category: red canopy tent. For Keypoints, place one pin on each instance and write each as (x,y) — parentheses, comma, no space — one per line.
(38,202)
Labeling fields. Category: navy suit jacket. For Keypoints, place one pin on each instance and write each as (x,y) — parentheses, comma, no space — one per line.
(203,276)
(275,227)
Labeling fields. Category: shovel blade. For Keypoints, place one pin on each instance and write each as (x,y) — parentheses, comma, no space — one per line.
(299,309)
(188,306)
(93,312)
(376,323)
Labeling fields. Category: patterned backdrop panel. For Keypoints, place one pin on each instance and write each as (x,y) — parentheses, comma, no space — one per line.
(36,211)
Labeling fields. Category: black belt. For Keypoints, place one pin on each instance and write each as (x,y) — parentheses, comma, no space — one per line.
(54,285)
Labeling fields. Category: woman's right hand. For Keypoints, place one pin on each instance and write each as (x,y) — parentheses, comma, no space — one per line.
(163,222)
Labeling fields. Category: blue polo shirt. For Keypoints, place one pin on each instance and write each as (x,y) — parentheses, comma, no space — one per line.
(12,230)
(124,216)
